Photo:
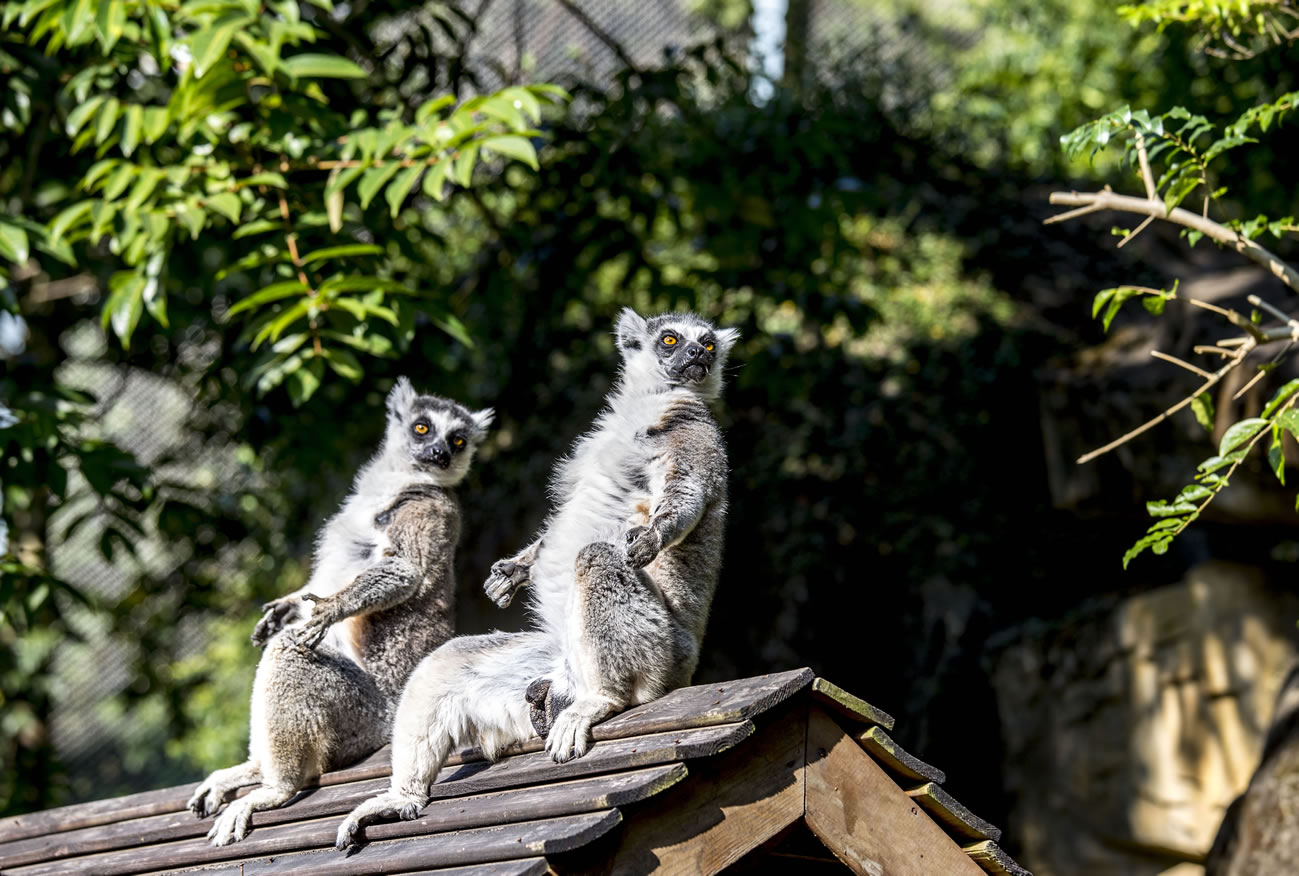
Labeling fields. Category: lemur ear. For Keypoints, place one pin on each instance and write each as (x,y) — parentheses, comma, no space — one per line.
(631,330)
(401,397)
(727,337)
(482,420)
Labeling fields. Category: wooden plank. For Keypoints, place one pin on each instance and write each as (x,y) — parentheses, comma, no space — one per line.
(527,839)
(853,708)
(896,759)
(521,867)
(730,805)
(951,814)
(133,853)
(698,706)
(864,818)
(992,859)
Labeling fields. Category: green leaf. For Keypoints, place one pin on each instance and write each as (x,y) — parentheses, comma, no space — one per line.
(434,180)
(464,170)
(107,120)
(77,18)
(267,178)
(124,305)
(13,243)
(344,362)
(396,193)
(1167,509)
(1202,407)
(82,113)
(374,179)
(455,328)
(131,130)
(265,295)
(1280,397)
(1240,433)
(210,43)
(275,327)
(1289,420)
(322,67)
(338,252)
(67,218)
(227,204)
(518,148)
(1276,459)
(303,383)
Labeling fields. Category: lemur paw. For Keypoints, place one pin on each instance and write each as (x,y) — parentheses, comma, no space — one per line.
(308,636)
(570,736)
(204,802)
(276,615)
(643,545)
(505,579)
(232,826)
(346,837)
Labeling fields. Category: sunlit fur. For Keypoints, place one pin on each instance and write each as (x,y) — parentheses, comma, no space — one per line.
(380,598)
(621,578)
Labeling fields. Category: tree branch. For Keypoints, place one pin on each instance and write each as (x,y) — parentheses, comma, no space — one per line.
(1252,250)
(600,33)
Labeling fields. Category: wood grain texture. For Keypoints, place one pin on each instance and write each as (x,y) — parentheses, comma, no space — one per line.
(521,867)
(864,818)
(458,813)
(845,704)
(689,707)
(992,859)
(729,805)
(897,760)
(455,849)
(951,814)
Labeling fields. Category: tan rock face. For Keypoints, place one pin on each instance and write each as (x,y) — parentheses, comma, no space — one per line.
(1129,731)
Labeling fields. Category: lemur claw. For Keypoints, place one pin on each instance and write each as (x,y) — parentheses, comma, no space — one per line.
(643,544)
(505,579)
(276,615)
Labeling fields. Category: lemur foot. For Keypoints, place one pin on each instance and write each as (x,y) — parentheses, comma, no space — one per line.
(276,615)
(569,737)
(386,805)
(643,544)
(232,826)
(205,801)
(544,704)
(505,579)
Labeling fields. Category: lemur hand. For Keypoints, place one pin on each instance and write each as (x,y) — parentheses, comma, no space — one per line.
(277,614)
(323,617)
(506,577)
(643,545)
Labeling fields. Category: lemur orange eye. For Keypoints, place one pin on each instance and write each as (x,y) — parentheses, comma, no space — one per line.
(459,442)
(669,340)
(421,428)
(708,347)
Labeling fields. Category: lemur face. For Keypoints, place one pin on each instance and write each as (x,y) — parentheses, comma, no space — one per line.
(674,350)
(438,435)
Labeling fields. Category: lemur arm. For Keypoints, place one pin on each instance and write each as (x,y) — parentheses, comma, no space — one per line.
(689,487)
(392,580)
(511,575)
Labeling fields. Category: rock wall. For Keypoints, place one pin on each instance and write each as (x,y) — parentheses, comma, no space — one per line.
(1131,727)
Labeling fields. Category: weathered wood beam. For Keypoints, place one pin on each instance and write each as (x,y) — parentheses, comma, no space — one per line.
(864,818)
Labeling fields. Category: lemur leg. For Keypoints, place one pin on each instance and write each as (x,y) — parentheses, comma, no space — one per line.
(624,635)
(468,692)
(218,787)
(312,711)
(511,575)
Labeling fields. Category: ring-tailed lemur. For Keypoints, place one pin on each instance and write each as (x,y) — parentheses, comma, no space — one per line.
(380,597)
(621,578)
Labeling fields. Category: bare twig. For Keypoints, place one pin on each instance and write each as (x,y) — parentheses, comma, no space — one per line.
(1213,378)
(1203,348)
(291,238)
(1181,364)
(1252,250)
(1279,314)
(1146,176)
(1135,231)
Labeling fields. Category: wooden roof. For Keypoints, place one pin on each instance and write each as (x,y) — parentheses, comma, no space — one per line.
(701,779)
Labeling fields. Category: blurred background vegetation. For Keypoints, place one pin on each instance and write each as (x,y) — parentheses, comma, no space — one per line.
(858,186)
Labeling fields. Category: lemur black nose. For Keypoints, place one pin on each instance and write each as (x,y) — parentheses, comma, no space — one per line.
(694,351)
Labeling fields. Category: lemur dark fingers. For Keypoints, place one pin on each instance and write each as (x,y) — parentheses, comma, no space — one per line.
(506,577)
